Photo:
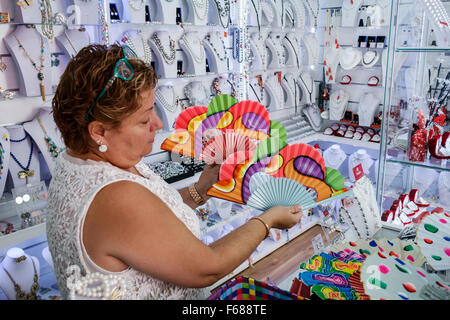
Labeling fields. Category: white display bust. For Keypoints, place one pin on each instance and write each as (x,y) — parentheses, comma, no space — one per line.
(135,40)
(258,47)
(217,52)
(166,99)
(220,17)
(28,75)
(290,90)
(350,10)
(312,48)
(48,257)
(163,46)
(88,12)
(367,108)
(22,151)
(166,11)
(334,156)
(254,12)
(275,91)
(306,82)
(359,157)
(338,104)
(36,131)
(275,45)
(197,12)
(4,140)
(20,267)
(134,10)
(194,51)
(292,45)
(269,14)
(72,41)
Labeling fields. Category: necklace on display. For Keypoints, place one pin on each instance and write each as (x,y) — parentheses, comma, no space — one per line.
(25,172)
(277,91)
(210,40)
(293,48)
(260,97)
(168,58)
(224,11)
(306,87)
(2,156)
(196,43)
(46,18)
(196,99)
(200,8)
(350,219)
(52,147)
(278,48)
(147,51)
(40,69)
(21,295)
(333,158)
(315,13)
(312,47)
(170,106)
(257,8)
(260,50)
(136,4)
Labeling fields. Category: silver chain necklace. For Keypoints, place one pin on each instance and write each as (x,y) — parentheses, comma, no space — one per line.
(201,56)
(312,11)
(147,51)
(169,106)
(168,58)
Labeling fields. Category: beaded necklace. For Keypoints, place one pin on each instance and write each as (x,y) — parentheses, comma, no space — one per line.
(40,69)
(52,147)
(306,87)
(201,56)
(168,58)
(47,18)
(104,23)
(224,12)
(279,49)
(2,156)
(260,50)
(202,6)
(26,172)
(21,295)
(166,104)
(127,39)
(353,223)
(208,39)
(314,13)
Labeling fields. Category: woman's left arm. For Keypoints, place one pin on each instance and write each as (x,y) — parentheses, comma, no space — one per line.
(209,176)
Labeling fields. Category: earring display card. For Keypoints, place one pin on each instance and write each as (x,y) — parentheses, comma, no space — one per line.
(114,12)
(30,198)
(179,18)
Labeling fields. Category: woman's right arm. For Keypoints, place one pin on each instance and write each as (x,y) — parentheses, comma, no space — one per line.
(128,223)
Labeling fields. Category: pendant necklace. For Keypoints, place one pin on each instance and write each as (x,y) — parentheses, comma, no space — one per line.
(209,39)
(21,295)
(224,11)
(168,58)
(52,147)
(260,50)
(25,172)
(293,48)
(307,89)
(314,13)
(40,69)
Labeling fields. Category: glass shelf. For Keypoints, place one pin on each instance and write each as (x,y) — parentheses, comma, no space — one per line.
(430,163)
(422,49)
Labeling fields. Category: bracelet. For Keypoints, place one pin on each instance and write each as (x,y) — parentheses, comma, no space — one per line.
(198,199)
(265,225)
(373,81)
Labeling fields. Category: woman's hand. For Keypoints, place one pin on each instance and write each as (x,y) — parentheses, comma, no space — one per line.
(281,217)
(209,176)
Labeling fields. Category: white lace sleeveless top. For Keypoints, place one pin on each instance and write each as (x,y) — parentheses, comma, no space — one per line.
(74,184)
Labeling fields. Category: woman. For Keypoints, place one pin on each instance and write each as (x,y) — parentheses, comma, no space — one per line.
(108,212)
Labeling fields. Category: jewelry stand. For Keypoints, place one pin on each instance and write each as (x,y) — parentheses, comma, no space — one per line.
(48,257)
(269,14)
(135,40)
(34,129)
(197,12)
(134,10)
(290,80)
(299,16)
(312,48)
(385,12)
(307,84)
(338,104)
(444,188)
(256,93)
(197,94)
(216,52)
(254,12)
(72,41)
(166,99)
(5,146)
(194,50)
(31,40)
(350,10)
(289,91)
(367,108)
(258,47)
(88,12)
(30,14)
(165,66)
(276,49)
(334,157)
(22,151)
(21,271)
(222,12)
(166,13)
(275,92)
(292,45)
(359,157)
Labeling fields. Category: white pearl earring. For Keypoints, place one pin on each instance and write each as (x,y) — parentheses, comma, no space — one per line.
(102,147)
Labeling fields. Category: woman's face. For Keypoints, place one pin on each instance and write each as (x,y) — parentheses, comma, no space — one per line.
(133,140)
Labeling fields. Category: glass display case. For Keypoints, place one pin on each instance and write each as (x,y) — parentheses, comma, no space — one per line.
(414,170)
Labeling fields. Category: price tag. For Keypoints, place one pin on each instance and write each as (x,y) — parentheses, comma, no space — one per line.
(358,172)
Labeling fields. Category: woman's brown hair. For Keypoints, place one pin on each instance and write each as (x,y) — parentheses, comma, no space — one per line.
(85,76)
